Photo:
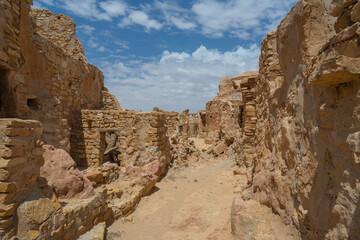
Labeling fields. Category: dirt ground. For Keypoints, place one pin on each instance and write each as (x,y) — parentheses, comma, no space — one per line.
(194,203)
(188,203)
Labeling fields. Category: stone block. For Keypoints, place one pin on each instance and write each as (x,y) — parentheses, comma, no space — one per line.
(7,187)
(37,211)
(22,132)
(12,152)
(16,141)
(6,197)
(355,14)
(13,162)
(221,148)
(6,222)
(337,6)
(95,176)
(7,210)
(4,175)
(33,234)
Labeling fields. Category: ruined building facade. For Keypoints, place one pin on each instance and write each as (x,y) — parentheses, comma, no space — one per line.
(294,126)
(46,82)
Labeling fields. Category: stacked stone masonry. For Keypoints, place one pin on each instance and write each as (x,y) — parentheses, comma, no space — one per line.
(20,145)
(110,101)
(223,112)
(31,86)
(172,122)
(294,124)
(247,84)
(201,124)
(60,30)
(137,131)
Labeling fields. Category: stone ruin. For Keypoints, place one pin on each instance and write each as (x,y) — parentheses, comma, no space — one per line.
(293,127)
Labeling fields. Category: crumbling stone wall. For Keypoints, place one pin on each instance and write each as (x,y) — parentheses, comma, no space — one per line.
(30,63)
(231,114)
(28,206)
(247,118)
(110,102)
(172,121)
(222,113)
(307,141)
(181,125)
(202,124)
(60,30)
(21,159)
(193,125)
(137,131)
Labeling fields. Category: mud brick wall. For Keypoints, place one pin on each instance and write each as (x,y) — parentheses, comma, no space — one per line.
(20,162)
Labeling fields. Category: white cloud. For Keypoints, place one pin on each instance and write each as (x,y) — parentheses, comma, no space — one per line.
(86,29)
(239,17)
(175,15)
(47,2)
(85,8)
(177,80)
(182,23)
(92,43)
(174,57)
(114,8)
(38,6)
(140,18)
(123,44)
(101,49)
(216,18)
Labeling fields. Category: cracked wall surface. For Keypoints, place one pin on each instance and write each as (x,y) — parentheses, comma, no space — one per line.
(307,135)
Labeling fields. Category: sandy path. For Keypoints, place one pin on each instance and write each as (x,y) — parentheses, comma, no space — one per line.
(191,203)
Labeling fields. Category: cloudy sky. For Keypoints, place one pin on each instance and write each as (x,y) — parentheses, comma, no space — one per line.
(170,53)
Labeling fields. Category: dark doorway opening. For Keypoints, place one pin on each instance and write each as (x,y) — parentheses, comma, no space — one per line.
(203,119)
(241,116)
(3,90)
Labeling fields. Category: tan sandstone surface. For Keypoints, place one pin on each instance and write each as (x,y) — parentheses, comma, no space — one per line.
(195,203)
(307,134)
(275,155)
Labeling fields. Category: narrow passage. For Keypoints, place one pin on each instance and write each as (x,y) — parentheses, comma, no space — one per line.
(189,203)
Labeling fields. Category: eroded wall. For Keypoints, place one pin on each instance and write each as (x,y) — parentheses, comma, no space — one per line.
(140,134)
(307,134)
(20,145)
(33,53)
(231,117)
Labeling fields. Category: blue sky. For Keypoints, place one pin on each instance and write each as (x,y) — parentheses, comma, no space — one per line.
(170,54)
